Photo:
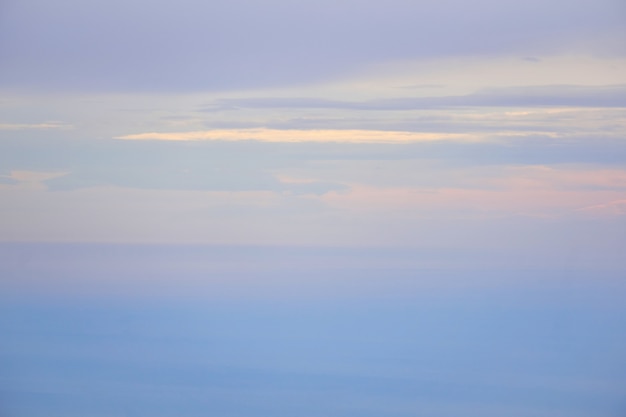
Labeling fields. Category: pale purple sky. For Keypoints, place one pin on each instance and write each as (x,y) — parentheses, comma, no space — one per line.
(343,123)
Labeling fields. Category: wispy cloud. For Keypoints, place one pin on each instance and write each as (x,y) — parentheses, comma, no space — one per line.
(35,176)
(616,207)
(531,96)
(24,126)
(295,136)
(32,180)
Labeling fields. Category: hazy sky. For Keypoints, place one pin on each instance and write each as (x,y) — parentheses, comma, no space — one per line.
(318,150)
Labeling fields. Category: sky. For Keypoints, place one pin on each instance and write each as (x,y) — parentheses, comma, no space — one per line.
(329,208)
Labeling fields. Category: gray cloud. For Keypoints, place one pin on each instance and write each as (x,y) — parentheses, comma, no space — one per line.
(530,96)
(190,44)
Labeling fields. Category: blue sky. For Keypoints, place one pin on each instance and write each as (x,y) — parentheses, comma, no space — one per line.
(293,165)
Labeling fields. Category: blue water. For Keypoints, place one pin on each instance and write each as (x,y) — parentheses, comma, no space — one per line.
(170,331)
(496,354)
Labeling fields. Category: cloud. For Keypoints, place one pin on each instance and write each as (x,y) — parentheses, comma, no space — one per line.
(310,186)
(35,176)
(193,45)
(257,165)
(295,136)
(24,126)
(616,207)
(32,180)
(7,180)
(528,96)
(566,178)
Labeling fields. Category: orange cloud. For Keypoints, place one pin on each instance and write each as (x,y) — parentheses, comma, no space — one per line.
(538,202)
(294,136)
